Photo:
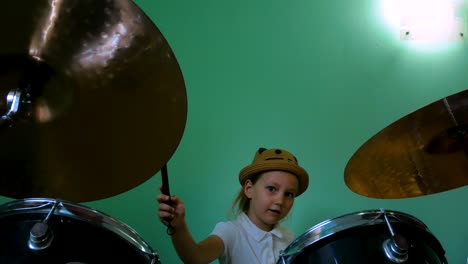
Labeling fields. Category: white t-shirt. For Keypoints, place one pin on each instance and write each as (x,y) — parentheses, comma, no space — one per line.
(245,243)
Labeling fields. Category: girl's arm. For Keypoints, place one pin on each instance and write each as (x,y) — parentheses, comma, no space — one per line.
(187,249)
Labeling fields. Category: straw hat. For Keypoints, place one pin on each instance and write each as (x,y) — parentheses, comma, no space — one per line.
(275,159)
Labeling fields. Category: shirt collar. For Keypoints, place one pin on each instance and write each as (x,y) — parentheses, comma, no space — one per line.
(254,231)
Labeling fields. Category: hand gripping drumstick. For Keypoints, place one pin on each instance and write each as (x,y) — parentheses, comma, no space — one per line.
(165,190)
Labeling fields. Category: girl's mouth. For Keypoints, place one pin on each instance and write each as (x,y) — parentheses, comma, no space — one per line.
(275,211)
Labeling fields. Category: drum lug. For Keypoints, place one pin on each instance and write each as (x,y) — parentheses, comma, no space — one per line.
(396,247)
(40,236)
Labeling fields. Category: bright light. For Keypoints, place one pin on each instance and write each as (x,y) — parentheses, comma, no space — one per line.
(391,12)
(428,20)
(436,23)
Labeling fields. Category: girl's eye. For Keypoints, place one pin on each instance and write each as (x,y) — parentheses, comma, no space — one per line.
(271,188)
(290,195)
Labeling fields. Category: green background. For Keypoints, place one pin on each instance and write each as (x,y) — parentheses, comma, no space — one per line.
(318,78)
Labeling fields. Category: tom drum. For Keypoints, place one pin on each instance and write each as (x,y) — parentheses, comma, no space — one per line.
(40,230)
(373,236)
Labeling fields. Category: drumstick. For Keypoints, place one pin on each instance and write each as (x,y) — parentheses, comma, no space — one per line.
(165,181)
(165,190)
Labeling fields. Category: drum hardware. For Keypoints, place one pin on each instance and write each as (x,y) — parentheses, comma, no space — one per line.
(41,236)
(23,81)
(396,247)
(422,153)
(13,99)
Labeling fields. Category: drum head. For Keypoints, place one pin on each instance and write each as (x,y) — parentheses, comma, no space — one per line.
(360,238)
(79,235)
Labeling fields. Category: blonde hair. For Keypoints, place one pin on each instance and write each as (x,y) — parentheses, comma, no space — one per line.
(241,203)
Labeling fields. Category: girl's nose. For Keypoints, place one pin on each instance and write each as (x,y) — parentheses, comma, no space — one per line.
(279,199)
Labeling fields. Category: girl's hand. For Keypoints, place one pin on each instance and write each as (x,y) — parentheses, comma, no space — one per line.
(171,210)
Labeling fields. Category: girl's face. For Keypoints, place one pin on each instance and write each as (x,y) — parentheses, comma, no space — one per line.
(271,198)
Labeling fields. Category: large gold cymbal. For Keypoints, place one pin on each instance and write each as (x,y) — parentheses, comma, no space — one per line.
(102,100)
(423,153)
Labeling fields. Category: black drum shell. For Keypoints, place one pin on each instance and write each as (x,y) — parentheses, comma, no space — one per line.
(363,243)
(87,237)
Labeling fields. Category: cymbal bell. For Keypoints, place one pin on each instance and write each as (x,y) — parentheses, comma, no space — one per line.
(423,153)
(92,99)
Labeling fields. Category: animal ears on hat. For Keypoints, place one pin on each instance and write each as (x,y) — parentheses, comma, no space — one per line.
(276,151)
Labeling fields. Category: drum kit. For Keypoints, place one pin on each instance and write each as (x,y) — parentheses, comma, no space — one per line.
(64,59)
(93,103)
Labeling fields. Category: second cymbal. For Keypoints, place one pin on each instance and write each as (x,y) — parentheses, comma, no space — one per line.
(423,153)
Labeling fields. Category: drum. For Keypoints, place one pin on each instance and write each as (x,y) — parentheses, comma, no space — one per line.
(373,236)
(39,230)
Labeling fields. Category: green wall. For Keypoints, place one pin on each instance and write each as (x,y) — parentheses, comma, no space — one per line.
(316,77)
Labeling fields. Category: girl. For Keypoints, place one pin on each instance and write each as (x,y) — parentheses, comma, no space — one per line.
(269,186)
